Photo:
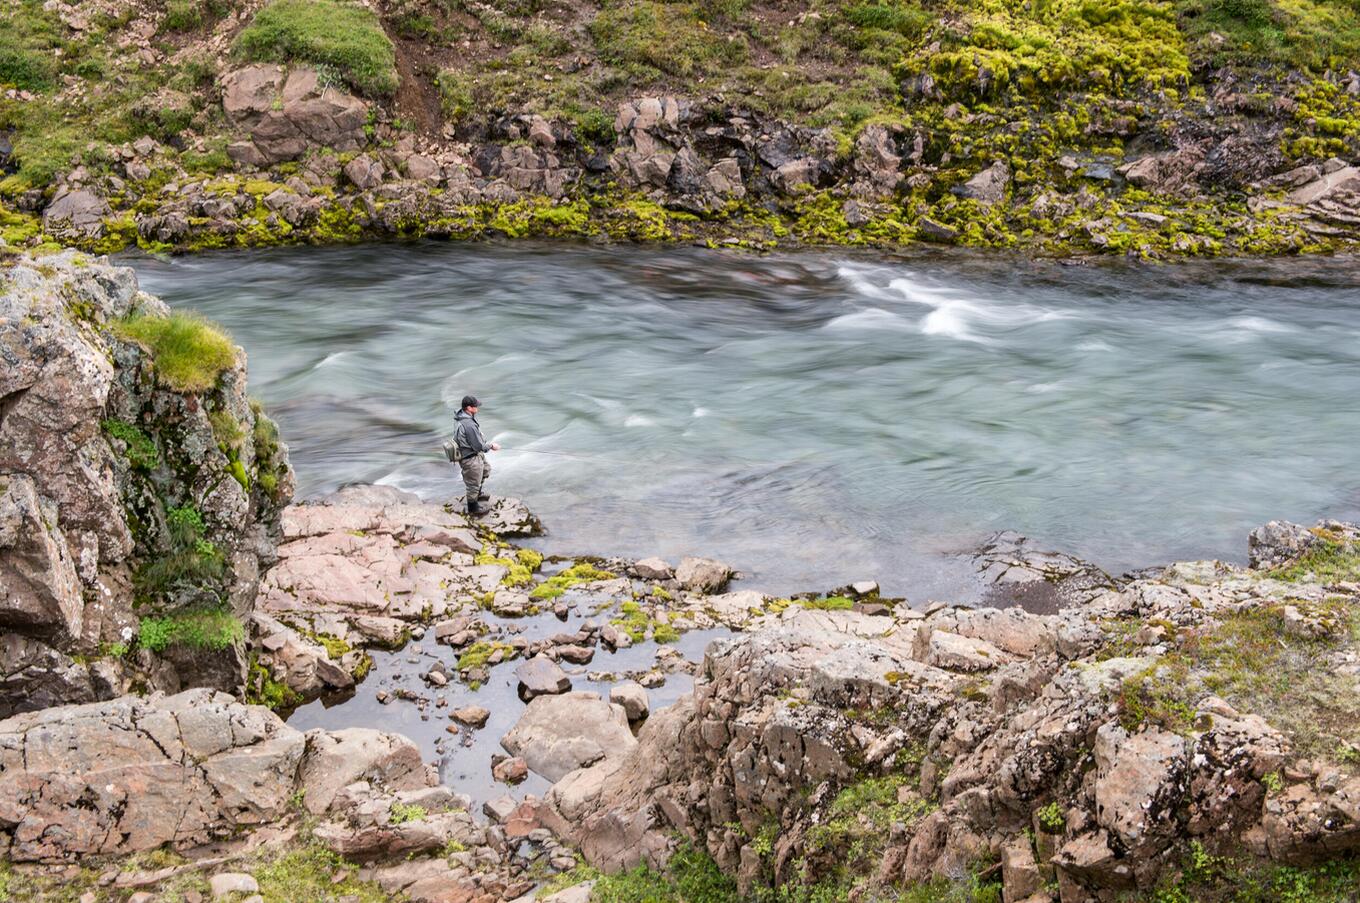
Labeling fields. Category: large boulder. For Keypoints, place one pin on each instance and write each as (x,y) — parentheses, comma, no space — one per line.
(41,588)
(703,575)
(134,774)
(336,759)
(1279,542)
(287,112)
(559,734)
(75,214)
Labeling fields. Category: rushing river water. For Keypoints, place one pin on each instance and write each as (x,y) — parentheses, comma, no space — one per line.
(815,418)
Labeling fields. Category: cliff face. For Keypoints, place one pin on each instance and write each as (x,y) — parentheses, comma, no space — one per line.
(140,489)
(1155,129)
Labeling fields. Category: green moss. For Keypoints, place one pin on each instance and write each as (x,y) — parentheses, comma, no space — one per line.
(554,586)
(344,35)
(476,655)
(188,352)
(400,813)
(207,628)
(310,873)
(1001,49)
(653,39)
(1258,663)
(18,228)
(1052,819)
(138,447)
(1327,562)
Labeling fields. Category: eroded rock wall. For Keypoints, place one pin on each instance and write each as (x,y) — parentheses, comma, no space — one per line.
(97,456)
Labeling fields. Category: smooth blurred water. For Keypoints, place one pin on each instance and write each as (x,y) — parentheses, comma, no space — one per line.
(815,418)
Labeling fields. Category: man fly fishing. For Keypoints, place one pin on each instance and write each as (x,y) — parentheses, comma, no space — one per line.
(471,449)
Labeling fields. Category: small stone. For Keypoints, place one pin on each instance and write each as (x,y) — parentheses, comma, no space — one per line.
(499,809)
(864,588)
(511,770)
(541,676)
(577,655)
(232,883)
(651,569)
(437,678)
(633,698)
(471,715)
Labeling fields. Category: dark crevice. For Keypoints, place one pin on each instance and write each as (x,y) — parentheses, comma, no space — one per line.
(9,402)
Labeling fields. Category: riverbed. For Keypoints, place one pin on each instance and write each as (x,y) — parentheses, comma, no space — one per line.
(814,418)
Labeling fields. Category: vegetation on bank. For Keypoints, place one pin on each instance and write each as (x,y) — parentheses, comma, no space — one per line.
(1061,89)
(286,873)
(344,37)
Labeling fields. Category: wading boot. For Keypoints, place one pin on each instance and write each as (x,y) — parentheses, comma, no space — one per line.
(475,510)
(483,497)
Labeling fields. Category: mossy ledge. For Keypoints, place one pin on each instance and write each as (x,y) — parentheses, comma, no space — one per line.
(1149,129)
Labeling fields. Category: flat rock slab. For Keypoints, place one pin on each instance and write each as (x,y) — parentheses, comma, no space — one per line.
(509,517)
(374,552)
(111,777)
(559,734)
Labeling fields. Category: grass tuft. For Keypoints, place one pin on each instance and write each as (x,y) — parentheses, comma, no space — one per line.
(207,628)
(189,352)
(327,32)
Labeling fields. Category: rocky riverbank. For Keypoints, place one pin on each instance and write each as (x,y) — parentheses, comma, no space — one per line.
(1150,130)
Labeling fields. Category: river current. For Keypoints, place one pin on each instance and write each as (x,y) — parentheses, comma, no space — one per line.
(814,418)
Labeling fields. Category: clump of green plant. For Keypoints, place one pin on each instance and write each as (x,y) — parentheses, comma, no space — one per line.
(189,352)
(556,585)
(191,559)
(205,628)
(1330,561)
(263,689)
(227,430)
(139,449)
(691,876)
(400,813)
(1208,878)
(1052,819)
(182,15)
(344,35)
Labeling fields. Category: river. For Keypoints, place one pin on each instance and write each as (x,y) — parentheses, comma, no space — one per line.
(814,418)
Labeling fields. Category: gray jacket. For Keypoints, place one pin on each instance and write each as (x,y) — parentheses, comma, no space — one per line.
(467,434)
